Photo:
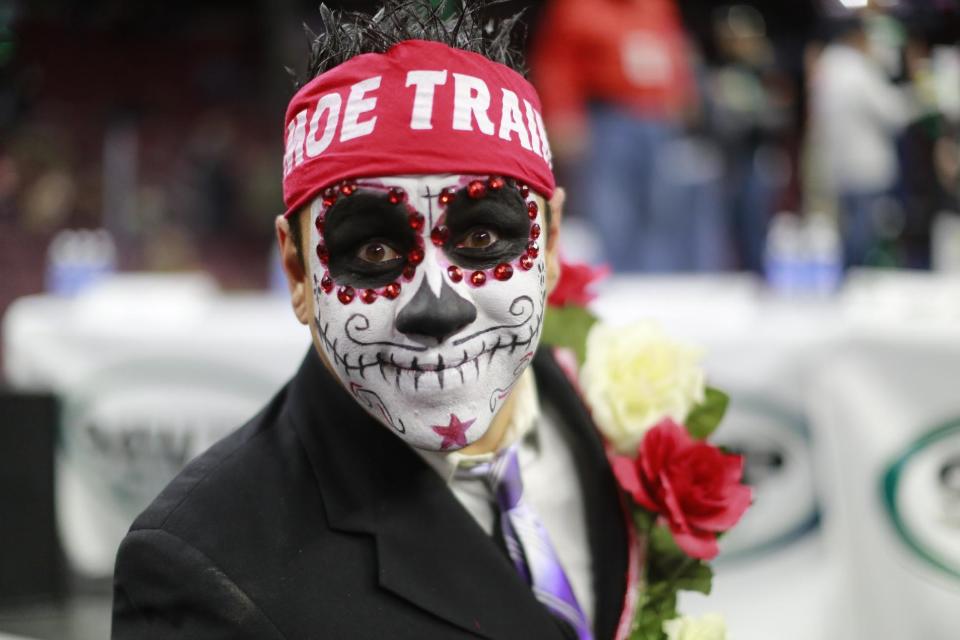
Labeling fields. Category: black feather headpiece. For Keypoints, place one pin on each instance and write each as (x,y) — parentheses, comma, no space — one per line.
(344,35)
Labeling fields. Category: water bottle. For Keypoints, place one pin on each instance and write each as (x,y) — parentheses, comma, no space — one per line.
(784,254)
(78,258)
(824,250)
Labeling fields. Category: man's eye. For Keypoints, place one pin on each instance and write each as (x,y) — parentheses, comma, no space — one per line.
(377,253)
(478,239)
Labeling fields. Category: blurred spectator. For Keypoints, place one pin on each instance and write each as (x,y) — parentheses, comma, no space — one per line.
(615,81)
(930,176)
(751,106)
(857,116)
(207,187)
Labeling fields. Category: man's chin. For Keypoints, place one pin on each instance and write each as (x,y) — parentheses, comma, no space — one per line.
(454,432)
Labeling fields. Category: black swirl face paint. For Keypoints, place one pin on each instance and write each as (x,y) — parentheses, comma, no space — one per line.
(429,298)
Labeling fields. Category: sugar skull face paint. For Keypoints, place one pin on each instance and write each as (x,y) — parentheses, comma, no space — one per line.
(429,298)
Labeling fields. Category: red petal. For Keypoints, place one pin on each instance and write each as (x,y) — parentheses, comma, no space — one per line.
(697,544)
(733,468)
(673,512)
(573,286)
(658,448)
(626,473)
(678,433)
(649,455)
(625,470)
(737,501)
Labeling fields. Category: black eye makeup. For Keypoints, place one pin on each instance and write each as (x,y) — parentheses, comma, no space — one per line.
(367,238)
(488,230)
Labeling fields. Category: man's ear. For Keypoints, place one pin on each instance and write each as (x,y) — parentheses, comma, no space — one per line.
(553,238)
(294,269)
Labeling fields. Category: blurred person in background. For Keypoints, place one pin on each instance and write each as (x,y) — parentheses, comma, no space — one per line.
(930,148)
(857,115)
(616,84)
(750,106)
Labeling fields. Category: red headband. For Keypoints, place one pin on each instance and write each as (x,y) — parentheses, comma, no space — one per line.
(420,108)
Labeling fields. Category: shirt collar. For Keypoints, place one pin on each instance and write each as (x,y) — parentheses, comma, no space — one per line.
(522,425)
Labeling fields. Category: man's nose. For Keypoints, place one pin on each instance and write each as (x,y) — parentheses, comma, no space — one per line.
(435,316)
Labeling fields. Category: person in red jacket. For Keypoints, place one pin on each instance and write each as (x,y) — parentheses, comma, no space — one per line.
(615,81)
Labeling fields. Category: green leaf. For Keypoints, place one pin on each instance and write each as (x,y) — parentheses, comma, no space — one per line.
(665,557)
(706,416)
(662,543)
(656,604)
(568,327)
(698,577)
(668,563)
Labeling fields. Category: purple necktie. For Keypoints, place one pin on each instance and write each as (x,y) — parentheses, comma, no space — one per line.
(527,542)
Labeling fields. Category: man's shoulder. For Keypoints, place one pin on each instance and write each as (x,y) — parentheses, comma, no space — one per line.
(232,479)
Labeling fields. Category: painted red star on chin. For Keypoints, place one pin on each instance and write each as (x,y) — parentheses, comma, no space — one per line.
(454,434)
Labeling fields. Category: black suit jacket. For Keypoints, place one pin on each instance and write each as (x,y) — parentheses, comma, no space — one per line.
(314,521)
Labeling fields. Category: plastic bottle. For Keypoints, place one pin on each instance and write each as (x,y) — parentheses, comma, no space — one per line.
(784,254)
(78,258)
(824,250)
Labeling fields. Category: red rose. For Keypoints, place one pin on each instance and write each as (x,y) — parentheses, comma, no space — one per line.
(691,484)
(574,284)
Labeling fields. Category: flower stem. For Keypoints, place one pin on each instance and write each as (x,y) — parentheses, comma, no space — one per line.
(681,569)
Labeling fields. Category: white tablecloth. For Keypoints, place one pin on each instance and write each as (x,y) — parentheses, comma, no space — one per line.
(151,370)
(886,407)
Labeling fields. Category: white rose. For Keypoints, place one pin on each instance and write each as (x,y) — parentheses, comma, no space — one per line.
(634,377)
(710,627)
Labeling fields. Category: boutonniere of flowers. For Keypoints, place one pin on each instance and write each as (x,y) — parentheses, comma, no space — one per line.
(648,397)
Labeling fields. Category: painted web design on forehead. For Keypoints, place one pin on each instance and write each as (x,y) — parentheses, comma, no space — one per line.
(475,189)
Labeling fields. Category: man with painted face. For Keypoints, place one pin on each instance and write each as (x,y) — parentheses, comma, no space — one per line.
(427,473)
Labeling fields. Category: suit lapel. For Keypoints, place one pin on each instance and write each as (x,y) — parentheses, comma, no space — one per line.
(430,550)
(606,528)
(434,554)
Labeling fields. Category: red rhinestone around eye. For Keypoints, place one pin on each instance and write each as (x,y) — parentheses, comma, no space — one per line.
(526,262)
(415,256)
(409,271)
(446,196)
(345,294)
(326,283)
(532,210)
(478,278)
(524,190)
(455,273)
(503,271)
(533,249)
(476,189)
(534,231)
(322,254)
(329,196)
(392,290)
(439,235)
(368,296)
(319,225)
(347,188)
(496,182)
(416,221)
(396,195)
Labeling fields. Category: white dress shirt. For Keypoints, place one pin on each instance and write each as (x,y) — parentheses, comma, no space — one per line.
(550,486)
